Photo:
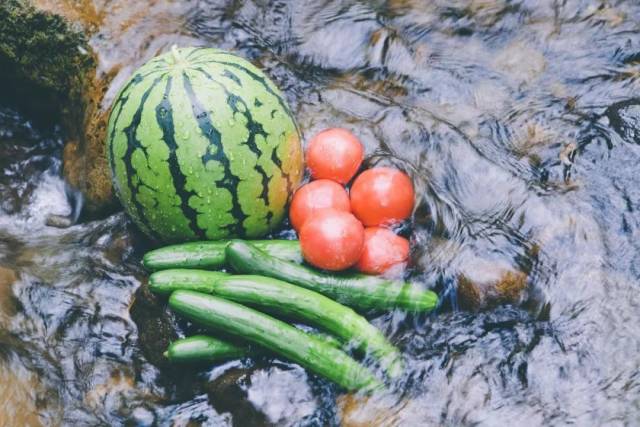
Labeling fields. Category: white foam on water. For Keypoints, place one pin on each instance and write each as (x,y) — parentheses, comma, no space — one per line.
(284,396)
(48,198)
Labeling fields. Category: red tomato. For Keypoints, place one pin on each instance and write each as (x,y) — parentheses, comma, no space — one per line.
(334,154)
(382,196)
(315,196)
(332,239)
(382,250)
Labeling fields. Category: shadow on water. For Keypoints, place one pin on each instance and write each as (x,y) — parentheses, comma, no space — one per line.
(518,123)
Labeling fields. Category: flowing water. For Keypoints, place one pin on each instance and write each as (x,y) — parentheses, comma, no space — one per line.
(520,125)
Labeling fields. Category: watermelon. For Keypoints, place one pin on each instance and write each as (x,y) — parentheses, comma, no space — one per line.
(202,145)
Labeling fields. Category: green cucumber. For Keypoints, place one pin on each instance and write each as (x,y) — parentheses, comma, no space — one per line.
(359,291)
(210,255)
(166,281)
(282,298)
(274,335)
(206,349)
(201,348)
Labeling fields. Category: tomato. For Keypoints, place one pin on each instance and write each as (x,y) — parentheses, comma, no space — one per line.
(382,250)
(334,154)
(332,239)
(315,196)
(382,196)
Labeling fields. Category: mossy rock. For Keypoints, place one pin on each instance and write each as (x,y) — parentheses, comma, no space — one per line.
(48,68)
(42,48)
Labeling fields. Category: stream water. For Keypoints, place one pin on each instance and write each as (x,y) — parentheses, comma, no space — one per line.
(520,125)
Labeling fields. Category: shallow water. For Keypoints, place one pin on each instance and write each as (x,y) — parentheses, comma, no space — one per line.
(518,123)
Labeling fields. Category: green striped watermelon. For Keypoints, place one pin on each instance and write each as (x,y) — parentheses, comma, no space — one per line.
(202,145)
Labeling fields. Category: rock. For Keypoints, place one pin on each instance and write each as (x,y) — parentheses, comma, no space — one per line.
(227,394)
(59,221)
(507,286)
(362,411)
(19,397)
(7,300)
(120,384)
(43,50)
(155,328)
(7,277)
(44,56)
(74,56)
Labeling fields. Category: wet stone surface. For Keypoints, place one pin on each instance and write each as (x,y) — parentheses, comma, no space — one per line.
(519,124)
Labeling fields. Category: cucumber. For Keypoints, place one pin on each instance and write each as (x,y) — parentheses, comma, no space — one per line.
(210,255)
(359,291)
(281,298)
(274,335)
(166,281)
(206,349)
(201,348)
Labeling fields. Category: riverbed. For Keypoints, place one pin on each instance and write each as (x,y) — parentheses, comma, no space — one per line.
(519,123)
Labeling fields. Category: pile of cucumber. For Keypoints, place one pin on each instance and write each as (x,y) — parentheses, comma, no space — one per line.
(272,284)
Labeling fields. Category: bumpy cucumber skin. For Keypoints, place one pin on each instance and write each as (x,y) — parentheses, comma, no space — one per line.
(355,290)
(166,281)
(274,335)
(211,255)
(202,349)
(281,298)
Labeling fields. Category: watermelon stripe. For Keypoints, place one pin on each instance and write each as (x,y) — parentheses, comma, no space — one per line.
(230,181)
(274,155)
(231,76)
(195,50)
(122,99)
(164,117)
(263,82)
(257,78)
(132,145)
(287,177)
(255,128)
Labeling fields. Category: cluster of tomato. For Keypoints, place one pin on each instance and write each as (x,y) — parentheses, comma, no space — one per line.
(339,230)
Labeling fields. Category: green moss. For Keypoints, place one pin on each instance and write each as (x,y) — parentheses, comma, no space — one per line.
(42,49)
(48,69)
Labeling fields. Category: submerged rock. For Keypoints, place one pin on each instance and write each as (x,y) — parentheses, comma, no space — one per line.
(499,286)
(157,330)
(19,397)
(227,394)
(7,301)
